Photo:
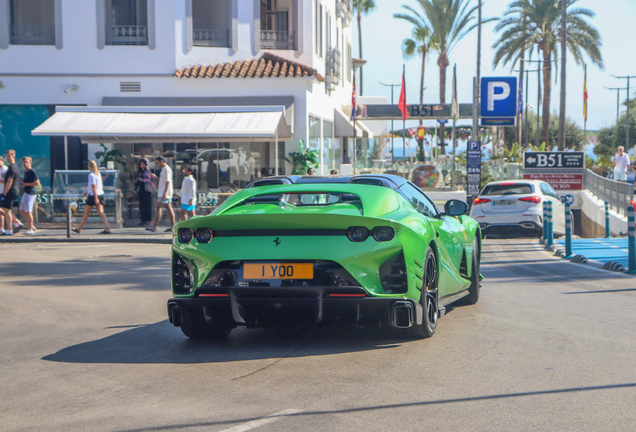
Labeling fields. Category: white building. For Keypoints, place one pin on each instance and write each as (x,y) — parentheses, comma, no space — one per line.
(178,53)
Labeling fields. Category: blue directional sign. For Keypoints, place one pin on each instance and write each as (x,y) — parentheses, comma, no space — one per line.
(499,97)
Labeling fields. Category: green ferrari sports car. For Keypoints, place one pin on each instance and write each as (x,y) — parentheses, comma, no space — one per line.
(366,249)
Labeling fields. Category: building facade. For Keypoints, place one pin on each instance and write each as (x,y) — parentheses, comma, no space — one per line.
(135,53)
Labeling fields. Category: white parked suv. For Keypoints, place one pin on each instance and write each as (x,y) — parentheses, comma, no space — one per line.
(517,204)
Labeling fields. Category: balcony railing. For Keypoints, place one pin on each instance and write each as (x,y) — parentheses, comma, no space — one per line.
(348,3)
(32,34)
(278,40)
(127,35)
(334,63)
(211,38)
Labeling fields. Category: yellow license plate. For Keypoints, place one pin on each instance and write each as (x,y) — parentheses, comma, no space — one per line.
(278,271)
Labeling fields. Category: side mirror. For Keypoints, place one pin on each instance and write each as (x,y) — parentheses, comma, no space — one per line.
(455,208)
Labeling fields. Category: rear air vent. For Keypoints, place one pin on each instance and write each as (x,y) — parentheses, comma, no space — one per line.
(463,268)
(129,86)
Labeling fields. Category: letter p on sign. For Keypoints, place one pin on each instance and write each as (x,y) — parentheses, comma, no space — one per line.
(499,97)
(493,96)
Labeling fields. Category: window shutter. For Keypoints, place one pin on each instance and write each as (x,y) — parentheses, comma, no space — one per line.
(101,23)
(187,28)
(152,34)
(257,26)
(234,35)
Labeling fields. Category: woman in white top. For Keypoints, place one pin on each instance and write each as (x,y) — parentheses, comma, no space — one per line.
(95,198)
(188,193)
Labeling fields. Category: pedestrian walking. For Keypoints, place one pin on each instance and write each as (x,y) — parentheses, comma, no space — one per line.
(3,170)
(29,182)
(10,193)
(95,198)
(188,193)
(164,193)
(144,192)
(621,165)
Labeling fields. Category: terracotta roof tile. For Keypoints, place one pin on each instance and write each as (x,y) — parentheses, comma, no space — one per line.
(269,65)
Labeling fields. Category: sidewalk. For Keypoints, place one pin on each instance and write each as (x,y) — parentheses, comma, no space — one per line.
(88,235)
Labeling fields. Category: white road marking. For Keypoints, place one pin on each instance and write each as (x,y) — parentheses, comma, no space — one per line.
(263,421)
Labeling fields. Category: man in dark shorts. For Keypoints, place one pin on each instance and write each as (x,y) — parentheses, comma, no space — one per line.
(11,191)
(29,182)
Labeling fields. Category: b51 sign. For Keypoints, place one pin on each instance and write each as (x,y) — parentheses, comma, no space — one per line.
(554,160)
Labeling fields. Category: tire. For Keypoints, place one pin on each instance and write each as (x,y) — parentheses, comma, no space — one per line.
(194,326)
(429,301)
(473,290)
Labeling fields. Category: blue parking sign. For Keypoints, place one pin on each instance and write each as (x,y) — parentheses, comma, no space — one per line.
(499,97)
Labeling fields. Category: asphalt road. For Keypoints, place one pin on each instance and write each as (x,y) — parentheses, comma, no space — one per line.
(85,346)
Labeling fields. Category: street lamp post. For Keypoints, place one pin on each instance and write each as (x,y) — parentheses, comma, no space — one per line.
(627,77)
(561,139)
(527,72)
(391,85)
(539,69)
(618,102)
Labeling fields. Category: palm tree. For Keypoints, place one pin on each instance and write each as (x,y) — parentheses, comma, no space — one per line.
(450,21)
(419,44)
(362,7)
(543,32)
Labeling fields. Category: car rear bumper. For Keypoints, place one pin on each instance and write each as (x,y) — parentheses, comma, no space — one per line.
(265,307)
(526,221)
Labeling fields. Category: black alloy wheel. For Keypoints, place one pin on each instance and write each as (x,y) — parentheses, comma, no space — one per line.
(475,283)
(429,301)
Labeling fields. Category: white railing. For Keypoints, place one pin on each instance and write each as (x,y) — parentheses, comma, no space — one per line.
(211,38)
(32,34)
(127,35)
(618,194)
(279,40)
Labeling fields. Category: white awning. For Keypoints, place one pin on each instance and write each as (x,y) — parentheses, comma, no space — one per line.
(344,128)
(176,124)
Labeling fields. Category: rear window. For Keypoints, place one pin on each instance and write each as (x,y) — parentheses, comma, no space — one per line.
(305,199)
(508,189)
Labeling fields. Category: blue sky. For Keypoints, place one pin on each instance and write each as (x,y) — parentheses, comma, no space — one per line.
(383,36)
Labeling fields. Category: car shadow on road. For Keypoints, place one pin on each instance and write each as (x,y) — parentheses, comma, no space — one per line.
(162,343)
(137,273)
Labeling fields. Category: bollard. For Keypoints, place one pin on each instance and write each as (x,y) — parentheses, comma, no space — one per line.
(545,222)
(550,239)
(568,231)
(68,221)
(608,233)
(631,241)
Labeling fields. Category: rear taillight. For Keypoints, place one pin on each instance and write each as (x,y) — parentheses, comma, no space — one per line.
(480,201)
(533,199)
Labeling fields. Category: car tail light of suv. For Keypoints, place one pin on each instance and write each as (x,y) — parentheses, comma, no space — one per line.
(480,201)
(532,199)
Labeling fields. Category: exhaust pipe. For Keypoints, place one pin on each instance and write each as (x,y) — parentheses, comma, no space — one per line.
(402,314)
(174,315)
(527,225)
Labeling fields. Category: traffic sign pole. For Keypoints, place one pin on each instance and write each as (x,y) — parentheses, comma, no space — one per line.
(608,233)
(550,241)
(568,231)
(631,241)
(545,222)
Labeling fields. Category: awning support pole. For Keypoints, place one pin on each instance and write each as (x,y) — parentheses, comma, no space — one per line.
(276,152)
(65,152)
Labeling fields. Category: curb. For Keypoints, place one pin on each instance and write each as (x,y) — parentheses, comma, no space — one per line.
(8,240)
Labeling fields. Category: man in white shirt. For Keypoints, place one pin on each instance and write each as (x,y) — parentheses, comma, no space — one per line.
(621,165)
(164,193)
(188,193)
(3,170)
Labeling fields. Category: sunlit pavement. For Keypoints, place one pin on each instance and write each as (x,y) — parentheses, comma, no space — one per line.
(85,345)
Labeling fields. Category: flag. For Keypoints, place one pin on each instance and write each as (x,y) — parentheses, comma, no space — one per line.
(585,95)
(402,103)
(354,101)
(454,104)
